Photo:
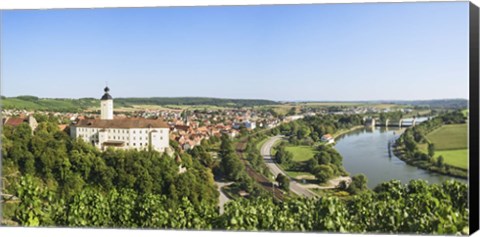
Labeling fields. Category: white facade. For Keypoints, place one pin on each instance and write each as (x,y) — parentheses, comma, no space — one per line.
(126,133)
(124,138)
(106,109)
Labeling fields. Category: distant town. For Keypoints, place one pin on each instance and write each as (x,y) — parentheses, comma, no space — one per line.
(190,126)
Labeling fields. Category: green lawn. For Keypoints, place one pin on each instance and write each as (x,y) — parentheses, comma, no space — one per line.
(301,153)
(449,137)
(298,174)
(457,158)
(451,143)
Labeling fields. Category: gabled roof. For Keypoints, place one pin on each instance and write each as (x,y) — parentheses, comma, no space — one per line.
(14,121)
(122,123)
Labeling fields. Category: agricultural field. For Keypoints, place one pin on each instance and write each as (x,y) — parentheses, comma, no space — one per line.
(301,153)
(457,158)
(451,143)
(449,137)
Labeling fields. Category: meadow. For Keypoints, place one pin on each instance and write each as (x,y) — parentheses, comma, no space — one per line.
(449,137)
(301,153)
(450,142)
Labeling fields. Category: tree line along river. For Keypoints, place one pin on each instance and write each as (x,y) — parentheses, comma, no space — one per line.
(366,151)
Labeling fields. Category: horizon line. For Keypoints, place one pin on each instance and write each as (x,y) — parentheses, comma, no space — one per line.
(226,98)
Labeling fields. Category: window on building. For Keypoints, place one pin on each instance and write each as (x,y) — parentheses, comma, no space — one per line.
(140,144)
(134,143)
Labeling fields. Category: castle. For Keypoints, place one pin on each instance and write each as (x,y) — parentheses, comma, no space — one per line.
(123,133)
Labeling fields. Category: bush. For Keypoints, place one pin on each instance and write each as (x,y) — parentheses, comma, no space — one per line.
(323,173)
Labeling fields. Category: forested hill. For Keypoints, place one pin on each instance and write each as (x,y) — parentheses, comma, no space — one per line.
(194,101)
(35,103)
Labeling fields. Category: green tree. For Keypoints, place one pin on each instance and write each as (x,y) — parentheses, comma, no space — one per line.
(431,149)
(359,184)
(440,161)
(283,182)
(34,208)
(323,173)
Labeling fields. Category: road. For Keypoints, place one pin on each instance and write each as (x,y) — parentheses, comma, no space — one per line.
(294,185)
(222,198)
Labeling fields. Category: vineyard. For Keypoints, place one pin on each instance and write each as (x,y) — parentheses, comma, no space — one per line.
(390,208)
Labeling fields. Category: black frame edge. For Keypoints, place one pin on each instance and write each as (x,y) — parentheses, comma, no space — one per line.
(473,181)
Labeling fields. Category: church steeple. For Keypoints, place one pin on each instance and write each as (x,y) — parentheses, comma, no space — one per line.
(106,105)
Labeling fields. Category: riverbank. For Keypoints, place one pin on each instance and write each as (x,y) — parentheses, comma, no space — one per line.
(447,170)
(342,132)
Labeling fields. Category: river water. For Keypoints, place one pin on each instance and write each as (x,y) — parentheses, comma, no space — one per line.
(366,151)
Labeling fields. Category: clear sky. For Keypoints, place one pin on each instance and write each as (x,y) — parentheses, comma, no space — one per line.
(299,52)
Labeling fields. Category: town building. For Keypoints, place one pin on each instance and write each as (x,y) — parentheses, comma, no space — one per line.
(328,138)
(14,122)
(123,133)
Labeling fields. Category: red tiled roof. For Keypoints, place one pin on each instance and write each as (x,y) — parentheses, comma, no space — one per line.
(326,136)
(62,127)
(182,127)
(122,123)
(14,121)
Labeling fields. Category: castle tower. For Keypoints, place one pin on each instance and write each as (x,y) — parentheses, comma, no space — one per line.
(106,105)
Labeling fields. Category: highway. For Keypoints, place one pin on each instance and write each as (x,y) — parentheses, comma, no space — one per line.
(294,185)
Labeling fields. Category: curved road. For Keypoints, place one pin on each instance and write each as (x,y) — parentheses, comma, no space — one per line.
(267,157)
(222,198)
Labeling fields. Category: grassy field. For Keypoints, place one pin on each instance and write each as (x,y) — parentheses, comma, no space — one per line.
(449,137)
(302,175)
(457,158)
(301,153)
(451,143)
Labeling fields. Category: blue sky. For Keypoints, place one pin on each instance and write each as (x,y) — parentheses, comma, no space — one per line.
(297,52)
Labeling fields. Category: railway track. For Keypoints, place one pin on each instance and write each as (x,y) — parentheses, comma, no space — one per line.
(266,184)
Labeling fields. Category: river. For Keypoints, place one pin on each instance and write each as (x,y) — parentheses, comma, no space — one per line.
(366,151)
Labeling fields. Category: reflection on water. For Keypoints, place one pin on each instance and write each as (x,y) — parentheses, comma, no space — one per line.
(366,151)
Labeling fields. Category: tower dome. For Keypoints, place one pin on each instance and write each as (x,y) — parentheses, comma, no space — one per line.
(106,96)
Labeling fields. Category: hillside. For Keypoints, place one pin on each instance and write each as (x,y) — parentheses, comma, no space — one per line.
(72,105)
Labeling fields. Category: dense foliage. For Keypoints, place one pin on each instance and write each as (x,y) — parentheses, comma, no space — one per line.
(309,130)
(390,208)
(65,167)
